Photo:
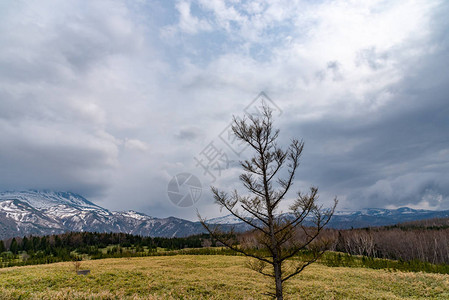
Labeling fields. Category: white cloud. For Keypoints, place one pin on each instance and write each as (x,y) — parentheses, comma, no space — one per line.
(188,23)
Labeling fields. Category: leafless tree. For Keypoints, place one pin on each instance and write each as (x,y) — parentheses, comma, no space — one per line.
(276,232)
(406,243)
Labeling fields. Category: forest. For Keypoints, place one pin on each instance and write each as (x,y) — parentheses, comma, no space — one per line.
(421,244)
(76,245)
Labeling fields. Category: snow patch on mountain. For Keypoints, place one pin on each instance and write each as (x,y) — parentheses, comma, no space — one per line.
(229,219)
(48,199)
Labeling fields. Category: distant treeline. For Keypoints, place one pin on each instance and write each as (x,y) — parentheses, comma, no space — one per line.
(401,243)
(74,240)
(69,246)
(424,240)
(436,223)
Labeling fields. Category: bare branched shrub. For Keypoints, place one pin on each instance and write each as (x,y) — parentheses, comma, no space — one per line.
(76,261)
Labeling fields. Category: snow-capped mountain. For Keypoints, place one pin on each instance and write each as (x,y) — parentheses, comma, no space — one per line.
(48,212)
(381,217)
(344,219)
(48,199)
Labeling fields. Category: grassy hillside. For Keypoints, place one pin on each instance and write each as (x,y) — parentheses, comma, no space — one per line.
(216,277)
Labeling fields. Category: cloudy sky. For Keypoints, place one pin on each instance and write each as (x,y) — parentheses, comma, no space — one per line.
(111,99)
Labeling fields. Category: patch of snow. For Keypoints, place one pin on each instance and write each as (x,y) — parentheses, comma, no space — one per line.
(47,199)
(229,219)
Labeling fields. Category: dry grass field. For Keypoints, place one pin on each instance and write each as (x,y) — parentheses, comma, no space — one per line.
(209,277)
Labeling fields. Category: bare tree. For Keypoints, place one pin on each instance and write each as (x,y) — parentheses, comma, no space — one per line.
(282,235)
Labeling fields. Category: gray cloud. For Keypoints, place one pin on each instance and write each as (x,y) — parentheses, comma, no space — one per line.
(112,99)
(393,156)
(188,134)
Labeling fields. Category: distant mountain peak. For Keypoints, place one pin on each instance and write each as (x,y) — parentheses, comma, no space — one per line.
(40,212)
(40,199)
(134,214)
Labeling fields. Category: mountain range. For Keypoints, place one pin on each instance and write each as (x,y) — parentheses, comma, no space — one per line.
(49,212)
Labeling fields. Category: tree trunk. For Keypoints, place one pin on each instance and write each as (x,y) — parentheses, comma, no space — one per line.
(278,279)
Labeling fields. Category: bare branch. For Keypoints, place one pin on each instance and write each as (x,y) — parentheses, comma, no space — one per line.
(229,245)
(222,199)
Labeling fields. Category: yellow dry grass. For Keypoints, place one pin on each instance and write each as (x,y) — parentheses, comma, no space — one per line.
(209,277)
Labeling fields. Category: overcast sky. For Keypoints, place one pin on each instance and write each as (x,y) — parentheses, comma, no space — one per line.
(111,99)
